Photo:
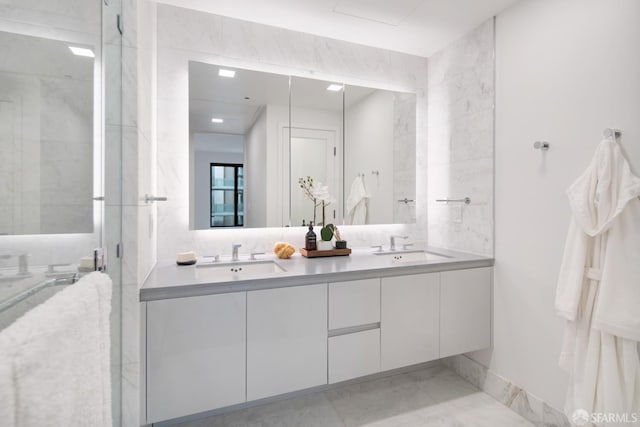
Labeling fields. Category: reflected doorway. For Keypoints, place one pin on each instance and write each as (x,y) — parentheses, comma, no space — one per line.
(314,153)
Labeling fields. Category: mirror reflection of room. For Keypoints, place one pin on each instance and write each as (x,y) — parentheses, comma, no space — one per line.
(380,170)
(46,136)
(234,117)
(254,136)
(316,150)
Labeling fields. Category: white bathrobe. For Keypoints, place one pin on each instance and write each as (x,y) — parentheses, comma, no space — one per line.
(599,288)
(358,202)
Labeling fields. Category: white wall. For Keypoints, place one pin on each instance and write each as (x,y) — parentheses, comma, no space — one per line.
(564,71)
(255,173)
(274,163)
(189,35)
(370,129)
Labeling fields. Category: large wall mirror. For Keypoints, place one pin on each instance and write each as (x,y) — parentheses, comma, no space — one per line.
(46,136)
(253,136)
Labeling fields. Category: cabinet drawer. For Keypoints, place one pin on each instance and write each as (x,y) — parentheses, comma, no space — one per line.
(354,355)
(354,303)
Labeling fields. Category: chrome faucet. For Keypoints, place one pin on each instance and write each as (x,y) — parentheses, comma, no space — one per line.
(23,263)
(392,241)
(234,251)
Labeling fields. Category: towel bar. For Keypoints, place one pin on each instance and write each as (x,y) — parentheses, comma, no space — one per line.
(466,200)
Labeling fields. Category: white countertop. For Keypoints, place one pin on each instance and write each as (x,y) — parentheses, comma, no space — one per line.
(168,280)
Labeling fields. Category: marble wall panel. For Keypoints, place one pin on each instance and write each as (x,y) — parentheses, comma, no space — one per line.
(460,151)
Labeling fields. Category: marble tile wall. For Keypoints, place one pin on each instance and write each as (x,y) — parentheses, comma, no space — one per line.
(404,157)
(66,169)
(55,19)
(460,152)
(532,408)
(138,100)
(190,35)
(20,147)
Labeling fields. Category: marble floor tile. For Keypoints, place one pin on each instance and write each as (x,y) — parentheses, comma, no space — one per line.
(481,410)
(442,384)
(429,397)
(313,410)
(384,398)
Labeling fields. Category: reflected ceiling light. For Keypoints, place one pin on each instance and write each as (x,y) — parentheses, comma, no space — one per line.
(334,88)
(226,73)
(217,120)
(82,51)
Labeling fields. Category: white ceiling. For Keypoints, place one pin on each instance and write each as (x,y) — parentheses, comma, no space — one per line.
(239,101)
(417,27)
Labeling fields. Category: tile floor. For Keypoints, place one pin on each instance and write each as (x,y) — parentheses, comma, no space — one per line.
(433,396)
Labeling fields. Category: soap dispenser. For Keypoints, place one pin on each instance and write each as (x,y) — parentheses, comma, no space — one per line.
(310,239)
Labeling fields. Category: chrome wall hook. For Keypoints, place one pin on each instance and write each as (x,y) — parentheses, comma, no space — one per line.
(541,145)
(611,133)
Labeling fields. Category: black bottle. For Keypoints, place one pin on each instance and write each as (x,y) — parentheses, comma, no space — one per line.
(310,240)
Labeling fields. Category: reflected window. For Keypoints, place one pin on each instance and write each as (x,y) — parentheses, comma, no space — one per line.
(227,199)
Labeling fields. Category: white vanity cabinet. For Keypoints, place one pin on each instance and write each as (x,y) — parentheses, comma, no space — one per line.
(195,354)
(465,310)
(354,329)
(409,319)
(212,351)
(286,340)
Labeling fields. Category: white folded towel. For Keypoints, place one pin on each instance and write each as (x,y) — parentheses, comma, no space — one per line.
(358,203)
(54,361)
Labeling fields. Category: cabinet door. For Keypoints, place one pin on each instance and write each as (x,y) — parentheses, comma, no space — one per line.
(354,355)
(286,340)
(409,320)
(195,354)
(354,303)
(465,311)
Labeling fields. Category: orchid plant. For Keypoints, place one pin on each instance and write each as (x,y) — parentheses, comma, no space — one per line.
(318,194)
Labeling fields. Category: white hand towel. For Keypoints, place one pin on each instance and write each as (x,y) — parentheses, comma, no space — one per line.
(358,202)
(58,354)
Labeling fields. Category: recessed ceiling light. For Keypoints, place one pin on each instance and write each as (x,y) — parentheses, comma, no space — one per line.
(334,88)
(217,120)
(81,51)
(226,73)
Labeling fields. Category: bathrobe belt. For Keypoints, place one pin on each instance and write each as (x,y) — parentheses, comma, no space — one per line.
(593,273)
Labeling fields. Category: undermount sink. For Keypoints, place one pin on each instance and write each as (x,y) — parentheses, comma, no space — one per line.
(240,268)
(412,256)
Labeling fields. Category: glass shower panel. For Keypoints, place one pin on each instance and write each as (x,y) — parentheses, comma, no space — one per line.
(60,153)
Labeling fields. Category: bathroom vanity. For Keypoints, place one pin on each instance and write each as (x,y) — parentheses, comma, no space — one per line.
(225,333)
